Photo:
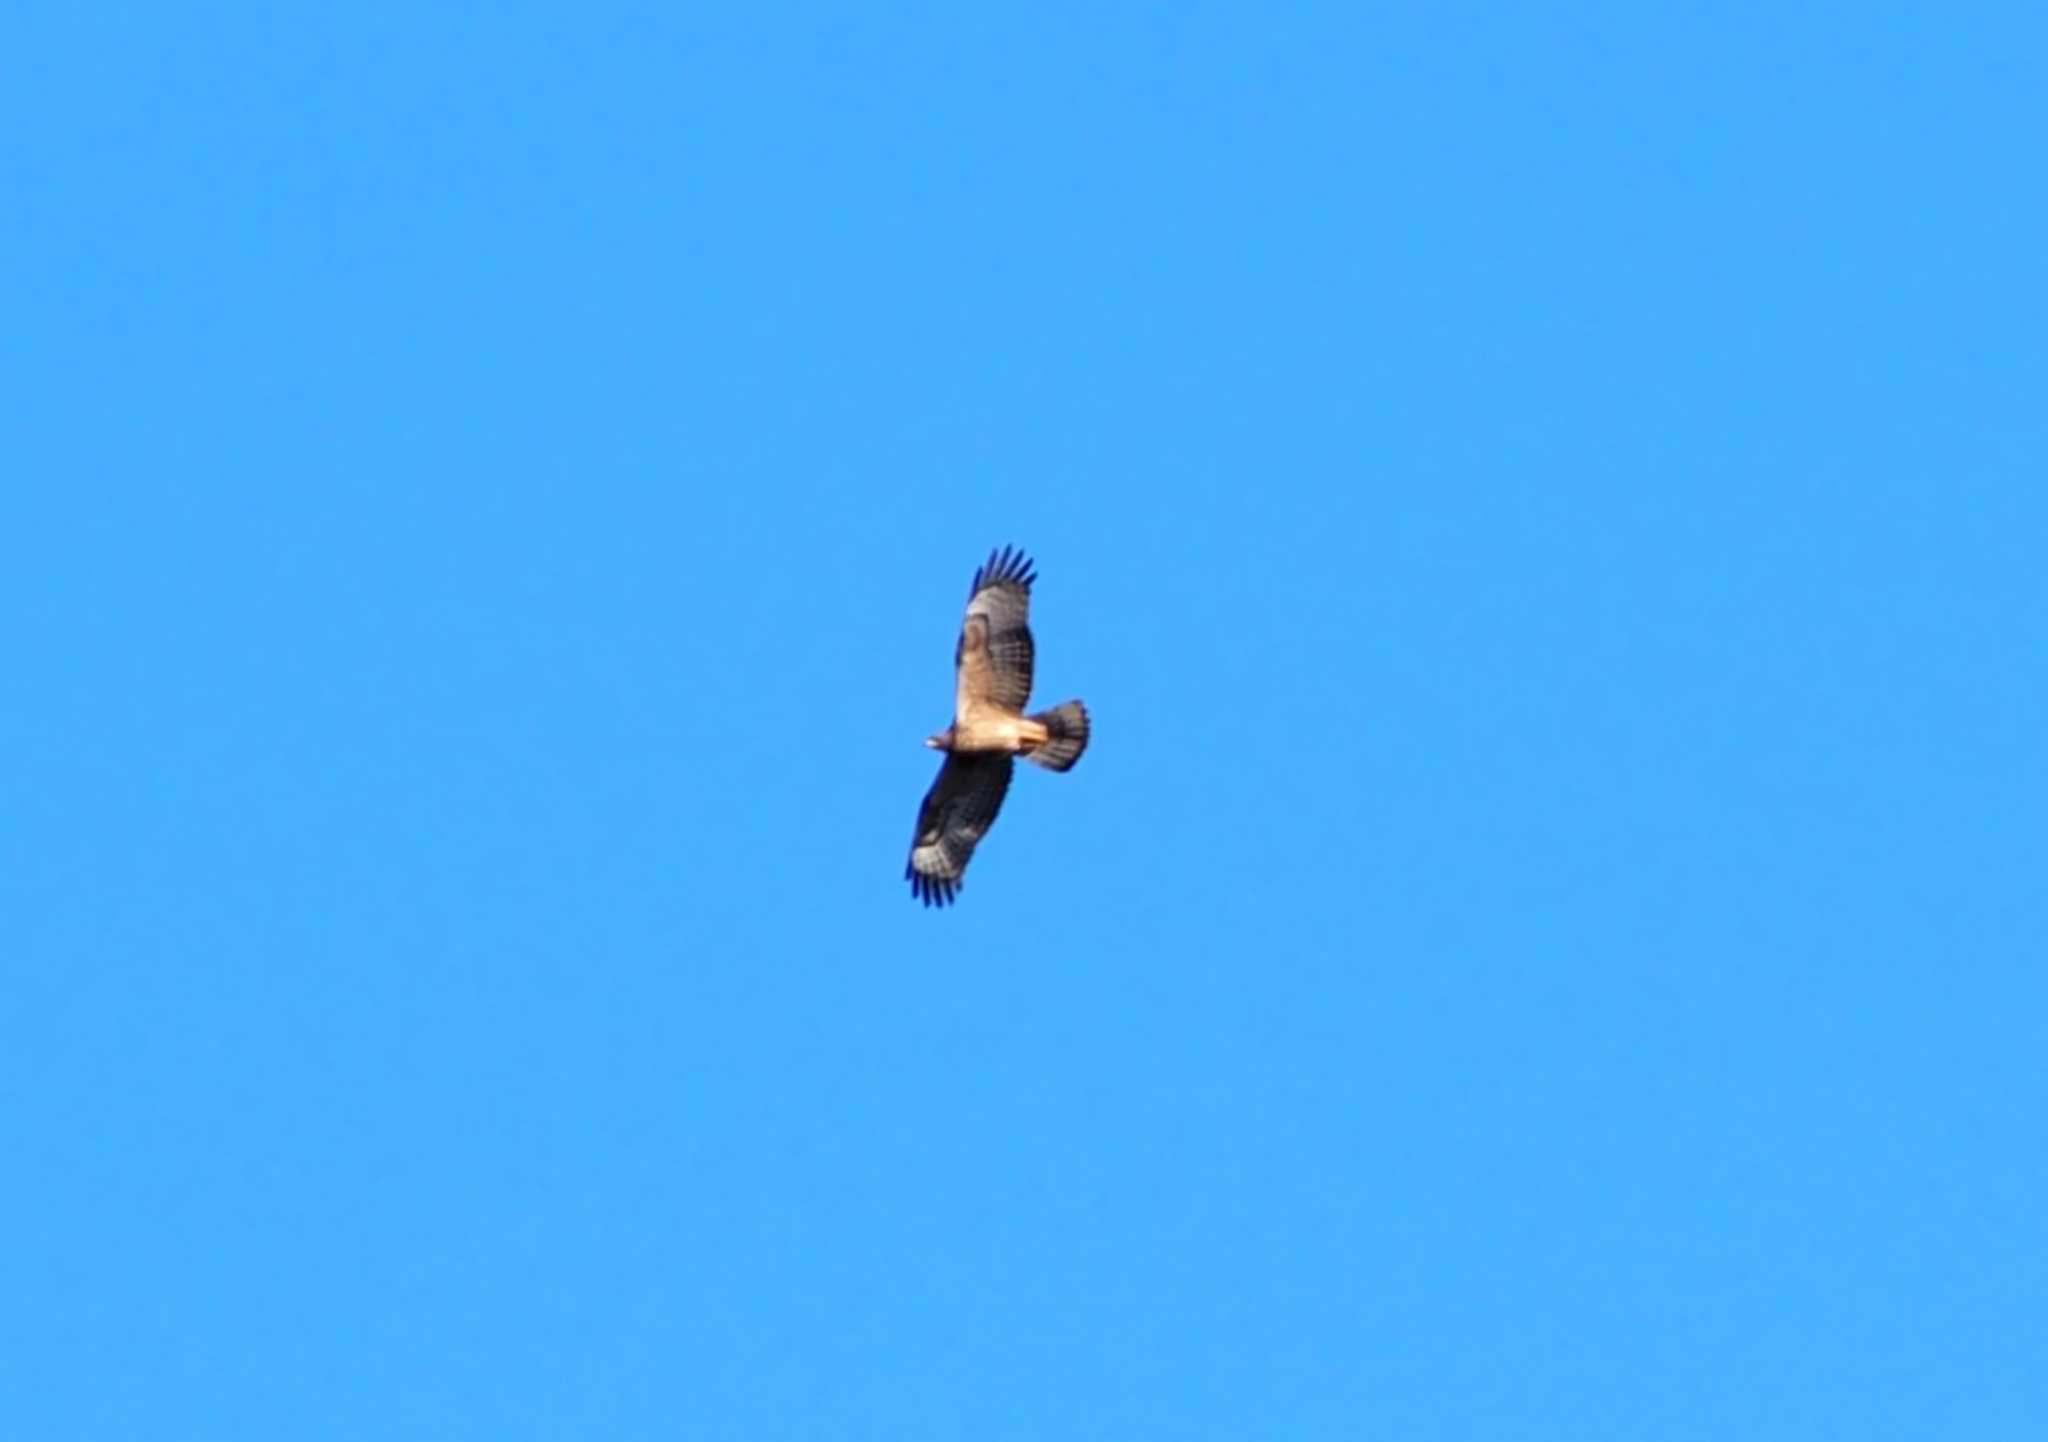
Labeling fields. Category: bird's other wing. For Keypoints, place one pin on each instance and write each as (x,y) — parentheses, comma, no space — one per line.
(957,812)
(993,660)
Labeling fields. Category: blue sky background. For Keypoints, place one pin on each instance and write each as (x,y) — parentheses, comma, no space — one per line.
(1546,510)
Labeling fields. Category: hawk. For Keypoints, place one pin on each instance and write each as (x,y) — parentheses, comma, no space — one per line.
(992,677)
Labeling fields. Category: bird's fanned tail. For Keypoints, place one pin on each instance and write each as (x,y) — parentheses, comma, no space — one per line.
(1066,727)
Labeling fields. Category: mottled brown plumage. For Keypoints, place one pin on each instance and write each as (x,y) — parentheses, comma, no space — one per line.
(992,680)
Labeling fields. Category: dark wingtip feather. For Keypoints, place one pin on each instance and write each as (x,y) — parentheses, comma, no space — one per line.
(1008,564)
(931,890)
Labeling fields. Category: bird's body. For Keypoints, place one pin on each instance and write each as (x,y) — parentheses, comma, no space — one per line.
(994,731)
(992,680)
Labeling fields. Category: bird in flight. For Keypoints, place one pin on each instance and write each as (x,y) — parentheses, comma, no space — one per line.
(992,678)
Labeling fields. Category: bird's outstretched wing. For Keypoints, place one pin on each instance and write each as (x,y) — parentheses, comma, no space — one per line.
(957,812)
(993,660)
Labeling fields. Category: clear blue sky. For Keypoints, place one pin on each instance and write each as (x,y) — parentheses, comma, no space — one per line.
(1546,510)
